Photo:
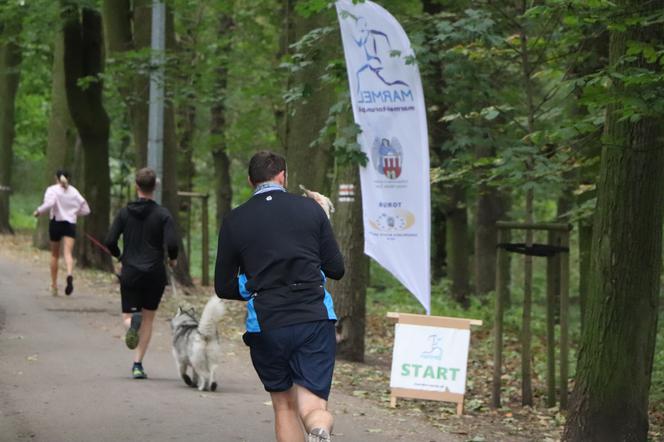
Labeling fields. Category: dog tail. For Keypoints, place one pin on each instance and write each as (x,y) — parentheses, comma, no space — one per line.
(321,199)
(212,313)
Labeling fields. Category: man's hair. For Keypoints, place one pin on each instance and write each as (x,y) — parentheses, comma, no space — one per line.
(146,179)
(265,165)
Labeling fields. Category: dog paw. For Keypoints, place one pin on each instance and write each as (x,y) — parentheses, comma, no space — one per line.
(187,379)
(213,387)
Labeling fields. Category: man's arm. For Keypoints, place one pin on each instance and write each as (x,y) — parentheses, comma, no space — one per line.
(227,266)
(114,233)
(332,262)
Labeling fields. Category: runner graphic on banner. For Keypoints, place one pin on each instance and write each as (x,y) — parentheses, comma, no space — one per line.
(388,104)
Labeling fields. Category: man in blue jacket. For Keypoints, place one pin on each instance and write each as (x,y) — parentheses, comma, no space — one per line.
(282,247)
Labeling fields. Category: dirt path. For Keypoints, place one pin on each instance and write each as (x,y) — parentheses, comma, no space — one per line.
(64,376)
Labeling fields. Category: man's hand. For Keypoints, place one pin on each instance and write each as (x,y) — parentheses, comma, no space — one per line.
(35,213)
(172,263)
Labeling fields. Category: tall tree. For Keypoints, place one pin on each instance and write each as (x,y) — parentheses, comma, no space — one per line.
(458,243)
(489,208)
(434,82)
(84,64)
(127,31)
(61,134)
(610,397)
(127,26)
(309,159)
(170,198)
(10,60)
(349,293)
(219,123)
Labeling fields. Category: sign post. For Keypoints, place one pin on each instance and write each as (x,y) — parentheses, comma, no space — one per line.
(430,358)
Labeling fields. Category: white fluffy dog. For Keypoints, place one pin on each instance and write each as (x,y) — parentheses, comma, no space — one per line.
(197,344)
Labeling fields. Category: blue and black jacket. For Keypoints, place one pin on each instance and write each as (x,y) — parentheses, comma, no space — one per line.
(275,252)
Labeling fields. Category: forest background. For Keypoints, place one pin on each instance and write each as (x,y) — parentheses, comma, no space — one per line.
(539,111)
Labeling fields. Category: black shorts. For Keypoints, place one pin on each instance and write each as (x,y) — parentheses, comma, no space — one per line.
(58,229)
(141,290)
(301,354)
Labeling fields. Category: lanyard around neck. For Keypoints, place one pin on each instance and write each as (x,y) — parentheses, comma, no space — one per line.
(268,187)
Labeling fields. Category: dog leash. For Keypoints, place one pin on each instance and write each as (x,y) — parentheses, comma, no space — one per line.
(103,248)
(171,278)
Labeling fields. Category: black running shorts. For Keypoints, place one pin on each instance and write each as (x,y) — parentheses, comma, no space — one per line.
(301,354)
(141,290)
(58,229)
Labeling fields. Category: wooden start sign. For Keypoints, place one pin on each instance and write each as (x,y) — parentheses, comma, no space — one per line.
(430,358)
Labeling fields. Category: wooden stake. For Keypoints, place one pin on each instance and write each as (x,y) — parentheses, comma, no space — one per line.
(205,261)
(552,287)
(501,256)
(564,320)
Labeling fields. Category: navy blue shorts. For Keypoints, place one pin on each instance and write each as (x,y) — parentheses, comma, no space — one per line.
(301,354)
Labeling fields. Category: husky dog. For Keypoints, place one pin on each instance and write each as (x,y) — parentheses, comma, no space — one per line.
(197,345)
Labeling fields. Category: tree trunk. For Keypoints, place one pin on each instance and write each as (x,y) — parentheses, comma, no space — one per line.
(458,247)
(170,197)
(223,186)
(585,245)
(589,146)
(61,136)
(127,28)
(351,291)
(286,38)
(488,209)
(610,397)
(526,335)
(307,164)
(222,163)
(83,58)
(438,236)
(10,60)
(438,134)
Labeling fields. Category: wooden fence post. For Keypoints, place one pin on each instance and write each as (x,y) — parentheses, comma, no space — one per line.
(205,261)
(552,289)
(564,319)
(501,256)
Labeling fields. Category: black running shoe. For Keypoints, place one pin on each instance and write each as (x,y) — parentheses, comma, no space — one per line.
(70,285)
(131,338)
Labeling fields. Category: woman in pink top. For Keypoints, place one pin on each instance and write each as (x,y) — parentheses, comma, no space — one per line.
(64,203)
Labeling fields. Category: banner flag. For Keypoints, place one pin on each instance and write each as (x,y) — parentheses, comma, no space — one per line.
(388,105)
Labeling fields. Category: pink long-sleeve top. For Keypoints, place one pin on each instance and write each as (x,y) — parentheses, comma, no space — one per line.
(65,204)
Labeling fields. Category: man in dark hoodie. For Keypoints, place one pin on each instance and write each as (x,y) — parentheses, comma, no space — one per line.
(147,228)
(275,252)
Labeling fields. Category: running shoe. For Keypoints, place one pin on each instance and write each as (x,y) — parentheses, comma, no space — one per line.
(54,291)
(137,372)
(70,285)
(318,435)
(131,338)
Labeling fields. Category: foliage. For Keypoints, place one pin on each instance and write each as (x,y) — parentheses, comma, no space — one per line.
(543,117)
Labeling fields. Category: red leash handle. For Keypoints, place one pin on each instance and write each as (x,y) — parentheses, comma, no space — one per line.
(96,242)
(99,244)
